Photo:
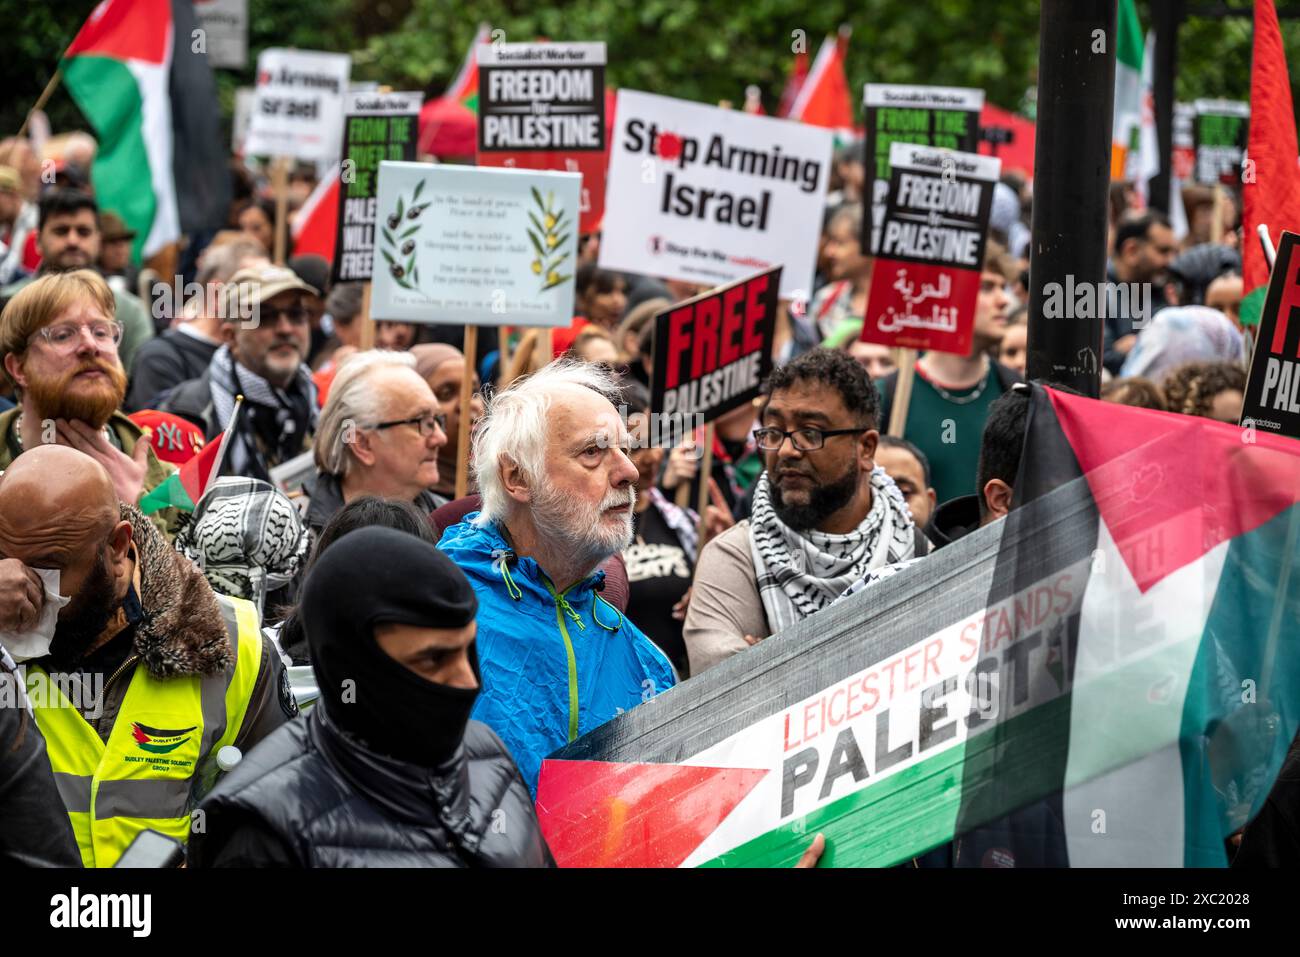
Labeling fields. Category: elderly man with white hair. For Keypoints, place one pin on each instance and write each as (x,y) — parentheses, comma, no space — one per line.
(379,434)
(551,459)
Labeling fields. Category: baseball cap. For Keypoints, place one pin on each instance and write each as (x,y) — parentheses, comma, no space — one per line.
(254,285)
(174,439)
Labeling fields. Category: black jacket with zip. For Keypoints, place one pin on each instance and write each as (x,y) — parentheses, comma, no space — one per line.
(313,796)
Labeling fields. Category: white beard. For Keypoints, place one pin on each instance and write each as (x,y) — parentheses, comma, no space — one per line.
(580,531)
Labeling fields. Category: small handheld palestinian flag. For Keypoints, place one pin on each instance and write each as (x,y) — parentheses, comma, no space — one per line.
(183,489)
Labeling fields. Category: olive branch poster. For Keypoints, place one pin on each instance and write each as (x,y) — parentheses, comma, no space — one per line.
(475,246)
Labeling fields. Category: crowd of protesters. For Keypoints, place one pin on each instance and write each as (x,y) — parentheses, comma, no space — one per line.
(456,642)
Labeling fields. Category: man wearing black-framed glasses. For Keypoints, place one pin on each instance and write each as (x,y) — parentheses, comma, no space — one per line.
(823,514)
(380,434)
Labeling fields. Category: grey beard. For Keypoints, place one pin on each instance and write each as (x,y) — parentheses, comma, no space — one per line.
(573,530)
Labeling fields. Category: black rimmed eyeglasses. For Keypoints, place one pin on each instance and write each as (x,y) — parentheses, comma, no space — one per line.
(428,424)
(803,440)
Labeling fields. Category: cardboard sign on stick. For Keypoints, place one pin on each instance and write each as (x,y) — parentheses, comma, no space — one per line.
(298,107)
(927,275)
(464,245)
(709,196)
(713,352)
(542,106)
(379,126)
(948,117)
(1273,389)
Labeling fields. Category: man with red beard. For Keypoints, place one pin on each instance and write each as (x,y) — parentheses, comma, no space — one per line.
(59,339)
(69,238)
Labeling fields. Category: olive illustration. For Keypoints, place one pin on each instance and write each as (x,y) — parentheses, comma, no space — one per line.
(415,211)
(393,220)
(397,271)
(407,247)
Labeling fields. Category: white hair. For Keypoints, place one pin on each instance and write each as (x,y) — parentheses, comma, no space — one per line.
(516,425)
(354,403)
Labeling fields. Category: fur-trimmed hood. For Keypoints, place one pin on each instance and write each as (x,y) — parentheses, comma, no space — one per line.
(183,631)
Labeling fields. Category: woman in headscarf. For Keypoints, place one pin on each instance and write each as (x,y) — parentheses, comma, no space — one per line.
(443,367)
(1182,334)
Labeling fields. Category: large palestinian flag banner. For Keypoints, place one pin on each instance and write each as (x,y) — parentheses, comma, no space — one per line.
(135,72)
(1108,676)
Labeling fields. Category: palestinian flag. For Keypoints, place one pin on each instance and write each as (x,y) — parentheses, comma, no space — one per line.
(464,88)
(184,487)
(823,98)
(798,73)
(1108,676)
(315,228)
(153,103)
(1272,195)
(1127,115)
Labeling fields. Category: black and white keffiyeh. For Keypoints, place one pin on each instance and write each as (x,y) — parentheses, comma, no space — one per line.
(293,410)
(800,573)
(246,537)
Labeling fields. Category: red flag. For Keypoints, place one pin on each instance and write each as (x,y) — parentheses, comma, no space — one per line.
(824,98)
(315,228)
(798,73)
(1272,193)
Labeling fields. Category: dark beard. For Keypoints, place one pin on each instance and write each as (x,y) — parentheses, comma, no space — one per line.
(86,616)
(823,502)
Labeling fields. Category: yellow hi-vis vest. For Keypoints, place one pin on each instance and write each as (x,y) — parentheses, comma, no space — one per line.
(164,732)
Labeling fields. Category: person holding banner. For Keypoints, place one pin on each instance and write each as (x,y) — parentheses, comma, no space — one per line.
(823,513)
(559,495)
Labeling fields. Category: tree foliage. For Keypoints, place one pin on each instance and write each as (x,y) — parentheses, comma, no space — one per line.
(702,50)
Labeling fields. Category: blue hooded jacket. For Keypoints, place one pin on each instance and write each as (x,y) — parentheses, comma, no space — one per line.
(553,666)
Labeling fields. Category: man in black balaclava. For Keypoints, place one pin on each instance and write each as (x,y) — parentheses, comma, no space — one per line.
(377,773)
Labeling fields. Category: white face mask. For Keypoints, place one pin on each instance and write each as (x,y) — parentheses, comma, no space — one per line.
(35,642)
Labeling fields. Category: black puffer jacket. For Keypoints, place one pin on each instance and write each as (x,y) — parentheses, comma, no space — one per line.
(311,796)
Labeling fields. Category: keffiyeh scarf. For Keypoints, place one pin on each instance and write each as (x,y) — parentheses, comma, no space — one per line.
(294,410)
(800,573)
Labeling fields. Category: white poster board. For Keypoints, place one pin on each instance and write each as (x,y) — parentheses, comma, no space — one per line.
(467,245)
(298,108)
(225,27)
(706,195)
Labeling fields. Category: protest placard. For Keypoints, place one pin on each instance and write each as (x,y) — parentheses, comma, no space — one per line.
(483,247)
(1272,402)
(1219,130)
(947,117)
(542,106)
(706,195)
(298,109)
(927,274)
(225,28)
(379,126)
(713,352)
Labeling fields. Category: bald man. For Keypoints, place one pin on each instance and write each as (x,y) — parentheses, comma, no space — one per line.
(149,673)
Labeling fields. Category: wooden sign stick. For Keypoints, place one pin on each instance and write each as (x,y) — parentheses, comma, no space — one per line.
(466,393)
(902,392)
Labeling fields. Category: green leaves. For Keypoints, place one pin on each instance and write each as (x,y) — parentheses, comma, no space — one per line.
(401,261)
(548,242)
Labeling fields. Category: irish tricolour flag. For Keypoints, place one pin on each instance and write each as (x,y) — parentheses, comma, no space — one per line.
(1110,675)
(134,71)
